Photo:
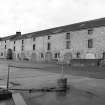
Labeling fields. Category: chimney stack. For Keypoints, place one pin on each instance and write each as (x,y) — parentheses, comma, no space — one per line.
(18,33)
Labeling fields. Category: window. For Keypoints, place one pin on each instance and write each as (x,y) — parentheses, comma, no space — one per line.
(42,56)
(49,37)
(14,48)
(48,46)
(5,41)
(90,31)
(78,54)
(90,43)
(1,54)
(67,35)
(5,46)
(14,42)
(56,55)
(103,55)
(22,41)
(22,47)
(34,38)
(67,44)
(33,46)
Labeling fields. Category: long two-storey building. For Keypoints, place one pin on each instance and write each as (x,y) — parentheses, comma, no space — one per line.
(84,40)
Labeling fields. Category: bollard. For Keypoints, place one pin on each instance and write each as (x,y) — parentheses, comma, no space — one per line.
(62,83)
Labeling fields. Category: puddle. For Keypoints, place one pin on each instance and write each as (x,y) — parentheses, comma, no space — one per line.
(71,97)
(7,102)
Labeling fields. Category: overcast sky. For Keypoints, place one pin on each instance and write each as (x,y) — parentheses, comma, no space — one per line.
(33,15)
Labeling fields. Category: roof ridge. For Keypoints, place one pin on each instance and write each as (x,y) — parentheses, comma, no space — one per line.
(65,28)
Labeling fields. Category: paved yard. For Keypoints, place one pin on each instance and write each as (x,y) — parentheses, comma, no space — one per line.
(46,75)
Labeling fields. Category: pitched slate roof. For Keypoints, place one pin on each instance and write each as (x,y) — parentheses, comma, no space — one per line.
(67,28)
(8,37)
(61,29)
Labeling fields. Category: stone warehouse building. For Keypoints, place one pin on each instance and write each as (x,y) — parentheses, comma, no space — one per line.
(84,40)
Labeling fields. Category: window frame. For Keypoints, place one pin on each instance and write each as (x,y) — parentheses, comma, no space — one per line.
(1,54)
(68,35)
(34,47)
(14,48)
(90,31)
(42,55)
(90,43)
(22,41)
(5,47)
(78,54)
(49,37)
(22,48)
(48,46)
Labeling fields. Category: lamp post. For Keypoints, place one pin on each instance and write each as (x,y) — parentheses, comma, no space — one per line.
(62,70)
(62,81)
(8,77)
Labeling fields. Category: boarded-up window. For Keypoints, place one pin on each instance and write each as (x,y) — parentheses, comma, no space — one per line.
(34,38)
(90,43)
(67,44)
